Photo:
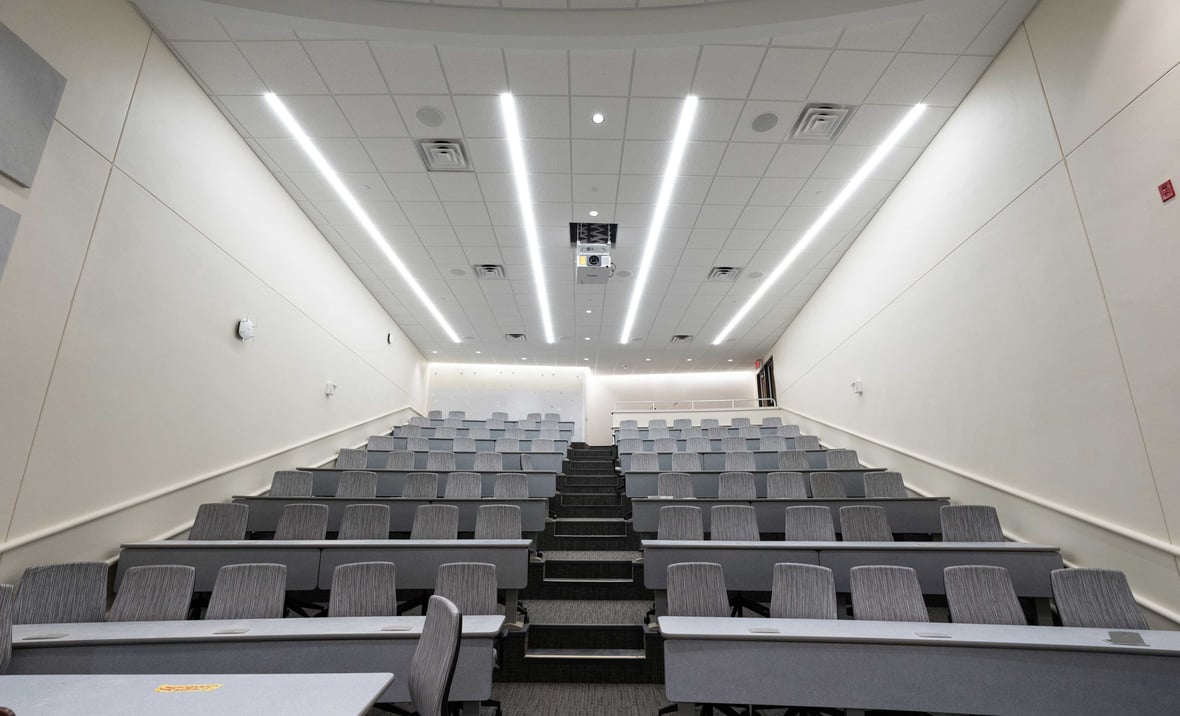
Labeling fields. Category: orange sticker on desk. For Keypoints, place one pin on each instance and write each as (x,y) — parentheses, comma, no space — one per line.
(178,688)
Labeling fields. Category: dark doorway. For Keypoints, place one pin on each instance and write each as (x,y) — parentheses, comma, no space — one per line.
(766,392)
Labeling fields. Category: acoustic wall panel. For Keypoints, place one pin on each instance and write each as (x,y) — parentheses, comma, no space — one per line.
(8,221)
(30,90)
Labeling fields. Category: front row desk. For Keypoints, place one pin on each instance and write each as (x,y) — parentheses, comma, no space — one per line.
(265,510)
(252,646)
(906,515)
(390,482)
(704,483)
(931,667)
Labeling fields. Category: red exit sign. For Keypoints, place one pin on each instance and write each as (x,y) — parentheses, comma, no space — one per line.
(1167,191)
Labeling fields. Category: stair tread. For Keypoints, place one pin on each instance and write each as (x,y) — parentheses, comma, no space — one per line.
(591,519)
(585,654)
(605,555)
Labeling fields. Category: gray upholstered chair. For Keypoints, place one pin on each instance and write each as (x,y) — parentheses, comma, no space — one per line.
(716,432)
(736,486)
(887,594)
(731,443)
(802,591)
(969,523)
(710,423)
(526,462)
(691,432)
(840,459)
(739,422)
(66,592)
(549,425)
(664,445)
(698,445)
(380,442)
(627,434)
(495,424)
(433,666)
(630,445)
(499,416)
(865,523)
(787,431)
(697,589)
(533,417)
(529,425)
(291,483)
(357,484)
(435,522)
(489,461)
(418,444)
(551,416)
(433,415)
(455,423)
(220,521)
(1098,598)
(786,485)
(248,591)
(6,598)
(470,585)
(401,459)
(827,486)
(628,423)
(682,423)
(446,431)
(806,442)
(884,484)
(424,422)
(674,484)
(772,442)
(733,523)
(510,486)
(507,445)
(656,423)
(303,521)
(681,522)
(440,460)
(154,593)
(657,433)
(809,523)
(363,589)
(772,422)
(518,433)
(750,431)
(463,486)
(742,460)
(349,459)
(457,414)
(497,522)
(686,462)
(480,433)
(792,460)
(420,486)
(463,445)
(979,594)
(364,522)
(405,431)
(542,445)
(645,462)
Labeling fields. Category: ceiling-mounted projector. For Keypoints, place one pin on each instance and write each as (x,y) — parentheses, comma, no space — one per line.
(592,263)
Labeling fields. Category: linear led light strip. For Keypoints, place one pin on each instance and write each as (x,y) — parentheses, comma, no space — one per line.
(862,174)
(525,197)
(688,113)
(333,179)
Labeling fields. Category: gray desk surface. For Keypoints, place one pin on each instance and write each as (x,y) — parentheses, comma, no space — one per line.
(749,565)
(567,435)
(907,515)
(714,445)
(767,460)
(677,432)
(243,694)
(389,482)
(265,510)
(481,444)
(960,668)
(704,483)
(482,422)
(540,461)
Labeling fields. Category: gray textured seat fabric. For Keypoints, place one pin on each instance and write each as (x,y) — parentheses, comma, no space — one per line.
(978,594)
(865,523)
(470,585)
(628,423)
(248,591)
(457,414)
(499,416)
(533,416)
(806,442)
(664,445)
(364,522)
(710,423)
(627,434)
(291,483)
(630,445)
(740,460)
(380,442)
(434,415)
(772,422)
(446,431)
(692,432)
(802,591)
(827,486)
(405,431)
(433,666)
(401,459)
(507,445)
(739,422)
(417,444)
(736,486)
(841,458)
(1099,598)
(220,521)
(425,422)
(154,593)
(479,433)
(489,461)
(887,594)
(348,459)
(750,431)
(551,416)
(463,445)
(357,484)
(6,598)
(420,486)
(657,423)
(518,433)
(772,442)
(682,423)
(302,522)
(681,522)
(435,522)
(549,425)
(541,445)
(716,432)
(686,462)
(645,462)
(440,460)
(529,425)
(733,523)
(674,484)
(657,433)
(792,460)
(809,523)
(453,423)
(786,485)
(363,589)
(697,589)
(463,486)
(698,445)
(511,486)
(969,523)
(731,443)
(787,431)
(497,522)
(495,423)
(884,484)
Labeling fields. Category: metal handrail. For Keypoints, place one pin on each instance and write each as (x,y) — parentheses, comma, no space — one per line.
(651,406)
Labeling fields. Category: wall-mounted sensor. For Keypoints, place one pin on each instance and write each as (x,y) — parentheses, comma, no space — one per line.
(245,329)
(330,389)
(858,386)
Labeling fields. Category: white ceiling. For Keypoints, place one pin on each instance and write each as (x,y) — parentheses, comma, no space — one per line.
(742,200)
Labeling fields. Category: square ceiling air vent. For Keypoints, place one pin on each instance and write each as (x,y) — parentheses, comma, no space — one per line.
(516,337)
(723,273)
(682,338)
(444,155)
(489,272)
(821,122)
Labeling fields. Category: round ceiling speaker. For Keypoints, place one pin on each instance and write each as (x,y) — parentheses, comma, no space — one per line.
(431,117)
(764,122)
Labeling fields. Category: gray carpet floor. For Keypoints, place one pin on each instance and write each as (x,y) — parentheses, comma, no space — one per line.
(587,611)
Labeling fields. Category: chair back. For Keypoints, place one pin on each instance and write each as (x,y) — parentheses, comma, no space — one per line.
(248,591)
(433,666)
(420,486)
(674,484)
(772,422)
(303,521)
(710,423)
(806,442)
(440,460)
(363,589)
(497,522)
(739,422)
(357,484)
(463,486)
(463,445)
(740,460)
(792,460)
(809,523)
(686,462)
(664,445)
(470,585)
(154,593)
(507,445)
(698,445)
(802,591)
(772,442)
(969,523)
(364,522)
(736,486)
(435,522)
(657,423)
(733,523)
(220,521)
(681,522)
(697,589)
(628,423)
(731,443)
(511,486)
(489,461)
(682,423)
(787,431)
(349,459)
(630,445)
(645,462)
(979,594)
(786,485)
(1099,598)
(414,444)
(884,484)
(456,414)
(865,523)
(404,459)
(291,483)
(380,442)
(6,598)
(542,445)
(887,594)
(839,459)
(827,486)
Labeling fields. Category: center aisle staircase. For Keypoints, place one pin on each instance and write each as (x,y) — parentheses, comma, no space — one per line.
(586,600)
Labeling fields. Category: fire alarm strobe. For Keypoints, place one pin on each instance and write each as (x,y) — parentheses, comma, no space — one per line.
(1167,192)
